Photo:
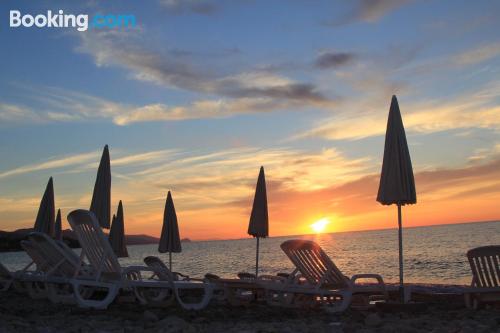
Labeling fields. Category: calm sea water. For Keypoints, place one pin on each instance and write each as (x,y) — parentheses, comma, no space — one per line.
(433,254)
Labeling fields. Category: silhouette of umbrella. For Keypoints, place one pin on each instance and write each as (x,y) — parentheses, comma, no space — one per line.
(46,212)
(101,197)
(259,221)
(58,226)
(117,234)
(397,184)
(170,240)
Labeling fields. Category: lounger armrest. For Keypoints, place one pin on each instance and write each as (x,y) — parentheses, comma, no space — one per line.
(139,269)
(377,277)
(183,276)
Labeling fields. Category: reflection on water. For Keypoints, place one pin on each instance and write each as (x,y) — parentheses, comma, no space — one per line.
(432,254)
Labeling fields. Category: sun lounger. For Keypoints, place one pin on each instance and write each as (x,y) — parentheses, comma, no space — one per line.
(485,266)
(316,280)
(183,284)
(56,265)
(165,274)
(109,276)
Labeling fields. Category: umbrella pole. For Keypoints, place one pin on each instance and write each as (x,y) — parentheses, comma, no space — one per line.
(170,259)
(257,259)
(400,234)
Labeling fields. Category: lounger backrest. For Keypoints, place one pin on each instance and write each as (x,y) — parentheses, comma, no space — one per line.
(40,261)
(155,262)
(485,265)
(314,264)
(58,260)
(94,243)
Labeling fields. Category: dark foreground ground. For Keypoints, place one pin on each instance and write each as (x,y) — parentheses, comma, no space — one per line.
(21,314)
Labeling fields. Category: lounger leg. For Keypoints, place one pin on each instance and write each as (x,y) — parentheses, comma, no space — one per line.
(112,291)
(471,301)
(56,296)
(36,291)
(5,285)
(20,286)
(207,295)
(154,297)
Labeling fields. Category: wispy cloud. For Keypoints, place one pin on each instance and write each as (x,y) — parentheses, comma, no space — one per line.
(478,54)
(60,105)
(11,113)
(54,163)
(368,11)
(477,109)
(146,64)
(333,59)
(85,161)
(221,177)
(143,158)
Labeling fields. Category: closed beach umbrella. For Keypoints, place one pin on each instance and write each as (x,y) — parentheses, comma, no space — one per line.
(58,226)
(101,197)
(170,240)
(259,220)
(117,234)
(46,212)
(397,184)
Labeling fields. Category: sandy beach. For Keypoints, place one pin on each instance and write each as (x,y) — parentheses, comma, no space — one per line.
(439,314)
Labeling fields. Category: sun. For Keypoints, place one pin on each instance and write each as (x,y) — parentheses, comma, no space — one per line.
(320,225)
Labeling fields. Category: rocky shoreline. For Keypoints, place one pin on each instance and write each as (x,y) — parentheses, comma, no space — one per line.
(21,314)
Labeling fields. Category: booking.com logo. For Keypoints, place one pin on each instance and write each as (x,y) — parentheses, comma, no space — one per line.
(61,20)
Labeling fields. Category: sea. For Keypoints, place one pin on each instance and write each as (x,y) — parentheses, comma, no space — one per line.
(432,254)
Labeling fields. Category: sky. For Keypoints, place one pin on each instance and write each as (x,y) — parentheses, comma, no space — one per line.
(201,93)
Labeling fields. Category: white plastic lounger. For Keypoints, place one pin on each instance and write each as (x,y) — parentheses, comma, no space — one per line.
(110,276)
(183,284)
(56,265)
(485,266)
(316,280)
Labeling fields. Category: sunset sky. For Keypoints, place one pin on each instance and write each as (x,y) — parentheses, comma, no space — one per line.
(201,93)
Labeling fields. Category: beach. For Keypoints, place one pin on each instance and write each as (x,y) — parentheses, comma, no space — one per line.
(440,314)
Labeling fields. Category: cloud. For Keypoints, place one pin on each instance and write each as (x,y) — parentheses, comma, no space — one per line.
(477,55)
(84,161)
(127,51)
(333,59)
(478,109)
(201,109)
(221,177)
(60,105)
(143,158)
(15,113)
(54,163)
(369,11)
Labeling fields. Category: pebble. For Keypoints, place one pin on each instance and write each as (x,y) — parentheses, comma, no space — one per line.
(41,316)
(373,320)
(150,316)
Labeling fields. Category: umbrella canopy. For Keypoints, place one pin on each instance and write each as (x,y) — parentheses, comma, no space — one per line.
(58,226)
(259,219)
(397,184)
(170,240)
(46,212)
(101,197)
(117,234)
